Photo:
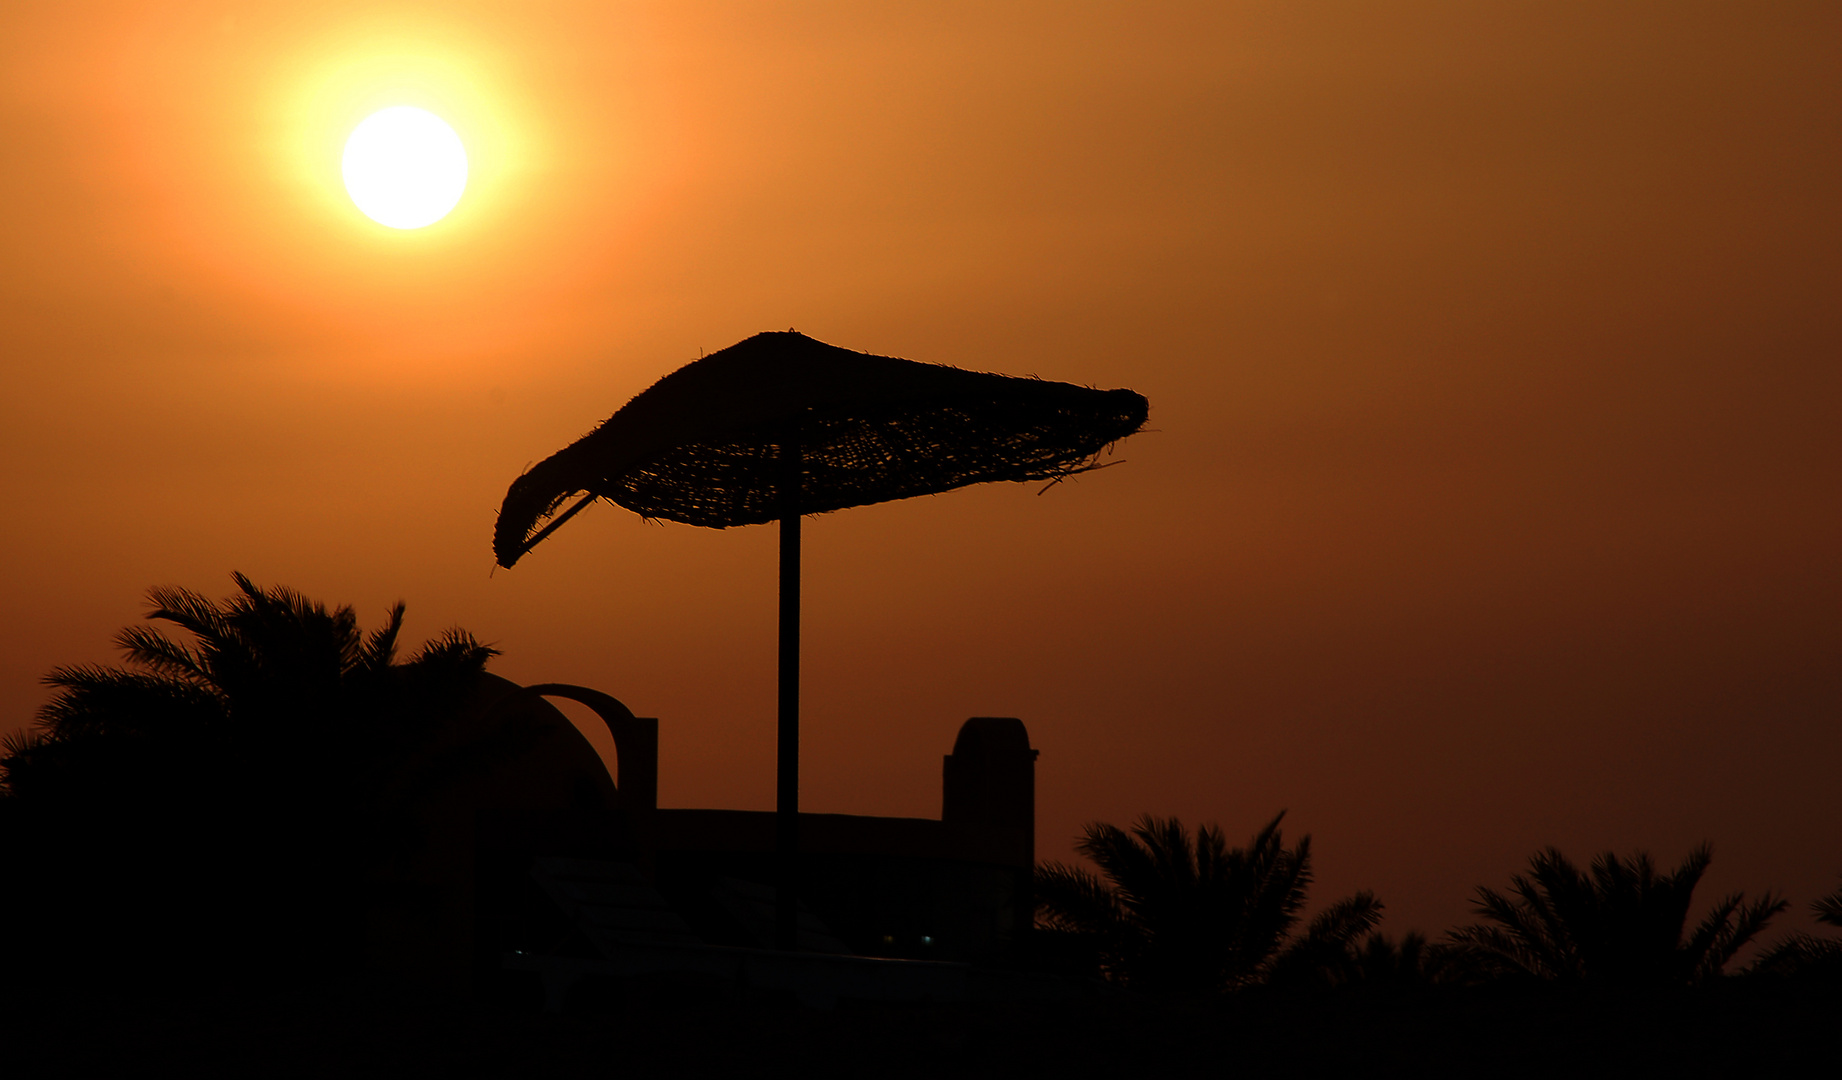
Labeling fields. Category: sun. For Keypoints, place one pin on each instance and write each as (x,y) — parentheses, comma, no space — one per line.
(405,167)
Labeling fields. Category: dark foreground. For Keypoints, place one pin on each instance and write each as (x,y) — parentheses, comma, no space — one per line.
(1746,1028)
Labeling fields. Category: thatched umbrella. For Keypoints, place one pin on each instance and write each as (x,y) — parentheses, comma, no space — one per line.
(781,425)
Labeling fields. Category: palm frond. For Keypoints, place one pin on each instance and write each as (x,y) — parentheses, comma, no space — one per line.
(1325,955)
(1070,898)
(100,701)
(1343,922)
(1167,849)
(152,649)
(453,649)
(1126,863)
(19,750)
(1274,882)
(1737,929)
(188,610)
(1709,938)
(1799,954)
(1828,909)
(1413,961)
(1620,921)
(1184,911)
(380,648)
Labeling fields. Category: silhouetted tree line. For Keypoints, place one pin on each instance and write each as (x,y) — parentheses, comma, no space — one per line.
(229,792)
(226,791)
(1174,912)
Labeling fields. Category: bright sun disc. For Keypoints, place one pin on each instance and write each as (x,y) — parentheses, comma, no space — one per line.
(405,167)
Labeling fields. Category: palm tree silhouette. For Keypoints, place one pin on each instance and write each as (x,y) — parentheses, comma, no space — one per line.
(262,753)
(1376,962)
(272,687)
(1621,922)
(1828,909)
(1803,953)
(1177,913)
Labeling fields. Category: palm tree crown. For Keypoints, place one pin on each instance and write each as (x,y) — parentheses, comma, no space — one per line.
(1828,909)
(238,780)
(1621,921)
(1805,953)
(269,681)
(1192,914)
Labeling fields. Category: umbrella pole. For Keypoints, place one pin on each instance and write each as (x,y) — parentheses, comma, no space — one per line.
(786,793)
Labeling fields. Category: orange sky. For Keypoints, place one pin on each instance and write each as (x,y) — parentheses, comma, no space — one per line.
(1491,500)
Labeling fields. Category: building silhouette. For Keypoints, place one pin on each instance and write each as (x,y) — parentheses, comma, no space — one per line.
(533,853)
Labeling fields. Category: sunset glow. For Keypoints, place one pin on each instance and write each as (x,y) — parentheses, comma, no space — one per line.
(405,167)
(1487,499)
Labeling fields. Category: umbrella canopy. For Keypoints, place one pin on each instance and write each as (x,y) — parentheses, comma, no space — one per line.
(780,425)
(705,445)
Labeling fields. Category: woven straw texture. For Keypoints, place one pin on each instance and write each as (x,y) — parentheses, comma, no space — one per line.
(703,445)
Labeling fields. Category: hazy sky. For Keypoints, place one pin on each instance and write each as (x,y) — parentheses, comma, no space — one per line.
(1491,496)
